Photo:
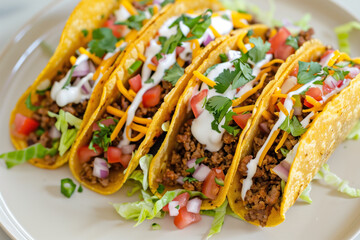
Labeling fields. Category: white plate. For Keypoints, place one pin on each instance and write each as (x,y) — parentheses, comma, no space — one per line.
(33,207)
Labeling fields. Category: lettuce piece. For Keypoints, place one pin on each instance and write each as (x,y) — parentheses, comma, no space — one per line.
(333,180)
(144,163)
(138,177)
(355,132)
(66,140)
(305,195)
(231,213)
(304,22)
(219,217)
(35,151)
(342,33)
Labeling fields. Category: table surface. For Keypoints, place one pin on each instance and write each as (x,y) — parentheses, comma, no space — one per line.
(15,13)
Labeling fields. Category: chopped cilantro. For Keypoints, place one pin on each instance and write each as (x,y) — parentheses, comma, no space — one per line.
(164,3)
(307,71)
(218,106)
(258,52)
(223,57)
(149,80)
(42,92)
(68,80)
(293,126)
(85,32)
(284,151)
(103,42)
(177,207)
(250,33)
(29,105)
(225,17)
(190,179)
(40,131)
(102,137)
(224,79)
(134,21)
(190,170)
(230,129)
(151,11)
(244,72)
(80,189)
(173,74)
(293,42)
(160,188)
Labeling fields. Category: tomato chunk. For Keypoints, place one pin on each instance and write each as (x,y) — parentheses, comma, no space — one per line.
(106,122)
(116,29)
(295,72)
(182,199)
(155,61)
(25,125)
(186,218)
(179,50)
(279,39)
(135,83)
(85,154)
(283,51)
(314,93)
(327,89)
(114,155)
(210,188)
(197,102)
(151,98)
(241,119)
(219,173)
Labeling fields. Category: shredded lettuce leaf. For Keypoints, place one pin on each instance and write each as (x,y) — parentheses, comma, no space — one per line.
(150,207)
(138,177)
(68,136)
(144,163)
(355,132)
(342,33)
(305,195)
(35,151)
(219,217)
(333,180)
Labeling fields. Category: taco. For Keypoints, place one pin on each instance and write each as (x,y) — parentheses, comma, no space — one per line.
(201,149)
(157,68)
(298,124)
(68,90)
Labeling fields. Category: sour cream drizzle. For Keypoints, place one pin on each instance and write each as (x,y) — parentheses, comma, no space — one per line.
(223,26)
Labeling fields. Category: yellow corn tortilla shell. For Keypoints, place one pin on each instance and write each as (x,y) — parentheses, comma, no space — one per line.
(88,14)
(327,130)
(111,92)
(182,113)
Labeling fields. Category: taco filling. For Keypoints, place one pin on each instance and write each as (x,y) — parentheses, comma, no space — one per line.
(70,90)
(179,40)
(207,142)
(291,111)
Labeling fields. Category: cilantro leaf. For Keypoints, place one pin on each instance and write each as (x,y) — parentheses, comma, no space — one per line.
(258,52)
(170,44)
(29,105)
(103,42)
(284,151)
(223,57)
(230,129)
(224,80)
(244,73)
(102,137)
(218,106)
(307,71)
(85,32)
(166,2)
(134,21)
(293,126)
(339,74)
(173,74)
(190,179)
(190,170)
(199,160)
(160,188)
(293,42)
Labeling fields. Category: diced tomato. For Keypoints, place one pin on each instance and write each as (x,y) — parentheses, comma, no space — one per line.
(186,218)
(210,188)
(340,83)
(25,125)
(151,97)
(327,89)
(219,174)
(179,50)
(107,122)
(85,154)
(116,29)
(114,155)
(197,102)
(135,83)
(155,61)
(182,199)
(279,39)
(295,72)
(314,93)
(283,51)
(241,119)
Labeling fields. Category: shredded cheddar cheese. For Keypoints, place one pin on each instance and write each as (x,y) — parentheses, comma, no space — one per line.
(268,145)
(151,67)
(119,126)
(239,110)
(131,36)
(344,57)
(215,32)
(272,62)
(282,141)
(273,32)
(240,42)
(119,43)
(206,80)
(195,46)
(141,56)
(273,100)
(138,128)
(129,7)
(123,90)
(282,108)
(95,59)
(134,139)
(267,115)
(118,113)
(313,101)
(282,95)
(180,61)
(334,58)
(132,93)
(73,60)
(237,17)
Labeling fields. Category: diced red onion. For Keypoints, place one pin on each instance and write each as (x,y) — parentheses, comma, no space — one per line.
(173,211)
(353,71)
(324,61)
(86,88)
(331,82)
(263,127)
(192,163)
(101,169)
(158,2)
(76,82)
(81,70)
(208,39)
(92,67)
(297,110)
(282,170)
(290,26)
(288,84)
(201,172)
(180,180)
(194,205)
(54,133)
(128,149)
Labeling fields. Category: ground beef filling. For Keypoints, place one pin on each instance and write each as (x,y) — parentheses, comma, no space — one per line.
(188,148)
(121,103)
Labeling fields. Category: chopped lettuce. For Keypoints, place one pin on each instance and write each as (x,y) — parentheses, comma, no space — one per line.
(305,195)
(219,217)
(231,213)
(35,151)
(342,33)
(355,132)
(144,163)
(333,180)
(68,136)
(138,177)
